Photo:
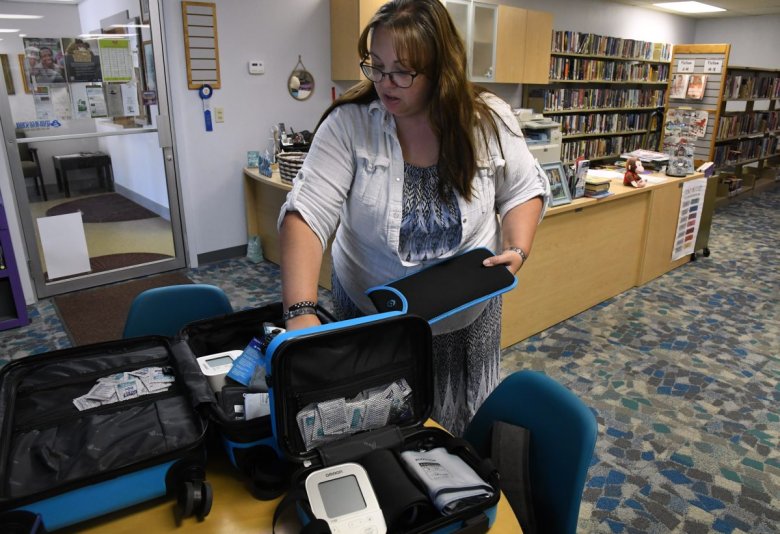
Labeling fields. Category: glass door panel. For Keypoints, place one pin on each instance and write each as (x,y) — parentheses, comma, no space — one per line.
(97,192)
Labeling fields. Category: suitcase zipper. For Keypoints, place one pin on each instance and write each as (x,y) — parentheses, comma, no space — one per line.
(94,375)
(45,421)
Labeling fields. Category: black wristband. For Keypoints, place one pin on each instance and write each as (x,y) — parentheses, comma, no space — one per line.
(302,304)
(302,310)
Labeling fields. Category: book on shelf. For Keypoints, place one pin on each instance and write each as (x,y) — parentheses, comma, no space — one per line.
(696,86)
(679,86)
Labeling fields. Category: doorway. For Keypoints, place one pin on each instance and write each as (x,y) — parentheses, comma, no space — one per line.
(85,114)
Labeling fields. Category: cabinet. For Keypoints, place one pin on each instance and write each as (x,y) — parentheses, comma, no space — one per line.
(504,44)
(347,20)
(13,311)
(748,125)
(607,93)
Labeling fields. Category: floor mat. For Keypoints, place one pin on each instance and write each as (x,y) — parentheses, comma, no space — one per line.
(99,314)
(111,207)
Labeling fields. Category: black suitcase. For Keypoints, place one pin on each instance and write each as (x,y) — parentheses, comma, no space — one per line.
(63,465)
(249,444)
(343,360)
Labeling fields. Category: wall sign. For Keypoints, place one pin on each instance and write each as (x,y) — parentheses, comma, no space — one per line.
(713,66)
(685,65)
(200,44)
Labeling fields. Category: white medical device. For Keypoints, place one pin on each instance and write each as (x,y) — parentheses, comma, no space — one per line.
(216,366)
(342,495)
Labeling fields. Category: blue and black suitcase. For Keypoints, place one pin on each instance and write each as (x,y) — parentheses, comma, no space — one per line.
(249,444)
(348,363)
(73,449)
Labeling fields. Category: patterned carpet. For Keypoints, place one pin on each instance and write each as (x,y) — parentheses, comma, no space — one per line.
(682,373)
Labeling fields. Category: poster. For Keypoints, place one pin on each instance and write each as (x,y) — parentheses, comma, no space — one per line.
(96,101)
(42,102)
(60,101)
(45,60)
(689,123)
(116,60)
(79,101)
(82,63)
(129,99)
(690,216)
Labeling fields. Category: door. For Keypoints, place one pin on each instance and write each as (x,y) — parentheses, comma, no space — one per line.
(85,118)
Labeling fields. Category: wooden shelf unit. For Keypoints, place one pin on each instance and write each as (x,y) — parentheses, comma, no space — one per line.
(592,74)
(748,127)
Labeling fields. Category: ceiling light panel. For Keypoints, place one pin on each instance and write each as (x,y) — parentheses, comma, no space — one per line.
(689,7)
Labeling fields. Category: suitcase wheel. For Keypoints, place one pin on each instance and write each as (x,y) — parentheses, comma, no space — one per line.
(195,498)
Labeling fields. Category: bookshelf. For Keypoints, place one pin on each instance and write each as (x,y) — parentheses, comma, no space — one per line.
(606,92)
(748,128)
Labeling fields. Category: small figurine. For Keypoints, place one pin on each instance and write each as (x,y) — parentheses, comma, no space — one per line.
(631,177)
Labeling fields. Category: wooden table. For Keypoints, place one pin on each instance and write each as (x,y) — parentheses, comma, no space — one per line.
(584,252)
(99,161)
(234,511)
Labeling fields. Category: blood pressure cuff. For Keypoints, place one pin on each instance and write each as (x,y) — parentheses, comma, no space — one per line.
(446,288)
(402,502)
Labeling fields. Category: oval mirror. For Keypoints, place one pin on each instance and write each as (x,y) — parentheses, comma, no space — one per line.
(301,82)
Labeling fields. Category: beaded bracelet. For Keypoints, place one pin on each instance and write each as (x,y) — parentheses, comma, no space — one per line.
(519,251)
(304,310)
(302,304)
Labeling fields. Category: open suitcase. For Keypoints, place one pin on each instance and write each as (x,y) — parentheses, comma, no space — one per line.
(64,461)
(345,360)
(249,444)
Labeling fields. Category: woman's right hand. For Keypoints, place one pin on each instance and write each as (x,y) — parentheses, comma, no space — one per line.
(302,321)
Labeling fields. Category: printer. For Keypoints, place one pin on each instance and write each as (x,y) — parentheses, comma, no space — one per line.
(542,135)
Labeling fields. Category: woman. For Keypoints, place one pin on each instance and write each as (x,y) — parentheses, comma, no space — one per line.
(412,165)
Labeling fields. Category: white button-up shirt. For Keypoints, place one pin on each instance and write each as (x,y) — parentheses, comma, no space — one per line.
(353,179)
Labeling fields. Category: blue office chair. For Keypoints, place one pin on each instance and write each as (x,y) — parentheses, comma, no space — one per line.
(562,439)
(166,310)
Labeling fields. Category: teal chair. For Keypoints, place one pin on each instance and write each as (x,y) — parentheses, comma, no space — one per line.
(562,439)
(166,310)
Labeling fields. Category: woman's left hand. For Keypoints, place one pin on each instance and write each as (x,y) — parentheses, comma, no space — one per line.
(511,260)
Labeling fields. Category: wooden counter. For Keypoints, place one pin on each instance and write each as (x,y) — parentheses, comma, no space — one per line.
(584,252)
(264,198)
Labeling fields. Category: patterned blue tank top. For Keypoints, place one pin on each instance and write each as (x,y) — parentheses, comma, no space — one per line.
(430,227)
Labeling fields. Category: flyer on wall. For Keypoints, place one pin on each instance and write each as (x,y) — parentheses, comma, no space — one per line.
(96,101)
(79,101)
(42,100)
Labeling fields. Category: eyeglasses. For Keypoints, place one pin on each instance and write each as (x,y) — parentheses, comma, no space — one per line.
(401,78)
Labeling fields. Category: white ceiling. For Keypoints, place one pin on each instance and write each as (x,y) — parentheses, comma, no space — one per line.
(734,8)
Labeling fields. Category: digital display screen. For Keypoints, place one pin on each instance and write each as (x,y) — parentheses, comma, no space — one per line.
(218,362)
(341,496)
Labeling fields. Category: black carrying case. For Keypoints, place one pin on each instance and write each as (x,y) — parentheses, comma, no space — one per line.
(343,359)
(65,466)
(249,445)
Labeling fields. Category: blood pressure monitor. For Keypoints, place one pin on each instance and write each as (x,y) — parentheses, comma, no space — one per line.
(342,495)
(216,366)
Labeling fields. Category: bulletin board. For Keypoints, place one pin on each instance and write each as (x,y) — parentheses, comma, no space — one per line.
(201,46)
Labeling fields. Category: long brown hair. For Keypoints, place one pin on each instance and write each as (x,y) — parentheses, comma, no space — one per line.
(426,40)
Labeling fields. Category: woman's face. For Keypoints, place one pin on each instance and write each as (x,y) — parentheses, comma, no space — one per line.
(401,102)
